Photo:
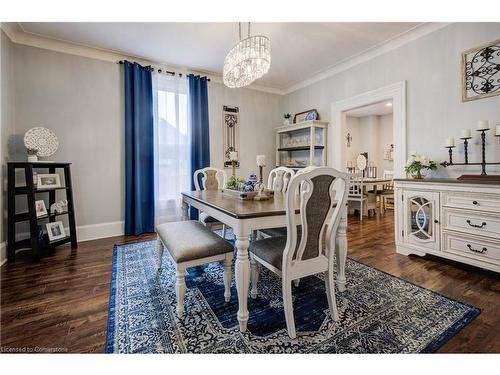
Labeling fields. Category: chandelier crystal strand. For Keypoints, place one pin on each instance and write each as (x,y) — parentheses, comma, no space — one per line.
(249,60)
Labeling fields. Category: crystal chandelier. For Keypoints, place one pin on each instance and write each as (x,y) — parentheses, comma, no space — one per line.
(247,61)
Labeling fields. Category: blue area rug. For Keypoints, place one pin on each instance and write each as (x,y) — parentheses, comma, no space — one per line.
(379,313)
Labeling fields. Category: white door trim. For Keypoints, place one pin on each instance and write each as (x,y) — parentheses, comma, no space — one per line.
(395,92)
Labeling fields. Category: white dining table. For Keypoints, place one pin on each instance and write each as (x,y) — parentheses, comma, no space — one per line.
(244,217)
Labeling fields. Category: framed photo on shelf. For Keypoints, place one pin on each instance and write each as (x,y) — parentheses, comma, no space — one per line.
(40,208)
(47,181)
(55,230)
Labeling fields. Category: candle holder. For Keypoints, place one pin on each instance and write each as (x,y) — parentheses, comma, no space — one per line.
(466,148)
(260,187)
(450,153)
(233,166)
(483,162)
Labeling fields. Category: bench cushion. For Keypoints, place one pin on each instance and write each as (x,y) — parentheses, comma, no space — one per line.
(190,240)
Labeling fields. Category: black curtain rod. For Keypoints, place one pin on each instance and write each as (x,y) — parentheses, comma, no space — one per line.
(165,71)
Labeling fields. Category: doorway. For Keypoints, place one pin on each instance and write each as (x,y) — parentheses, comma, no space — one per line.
(395,94)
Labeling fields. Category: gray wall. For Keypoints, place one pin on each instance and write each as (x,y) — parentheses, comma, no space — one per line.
(259,115)
(80,99)
(431,67)
(6,126)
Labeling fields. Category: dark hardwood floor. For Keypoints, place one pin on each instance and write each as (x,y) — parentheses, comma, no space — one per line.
(61,303)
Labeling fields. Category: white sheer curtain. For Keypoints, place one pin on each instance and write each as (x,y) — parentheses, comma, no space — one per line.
(172,145)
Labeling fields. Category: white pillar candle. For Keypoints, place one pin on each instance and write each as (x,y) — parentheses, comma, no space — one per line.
(466,133)
(233,156)
(483,125)
(497,130)
(261,160)
(450,142)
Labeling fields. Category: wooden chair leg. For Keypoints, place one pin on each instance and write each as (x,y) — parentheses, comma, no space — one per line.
(254,277)
(180,289)
(361,213)
(330,294)
(228,276)
(224,231)
(288,306)
(160,249)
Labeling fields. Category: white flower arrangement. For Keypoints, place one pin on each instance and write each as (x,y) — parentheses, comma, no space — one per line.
(417,162)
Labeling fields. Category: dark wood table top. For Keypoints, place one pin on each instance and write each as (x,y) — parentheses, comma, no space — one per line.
(240,209)
(243,209)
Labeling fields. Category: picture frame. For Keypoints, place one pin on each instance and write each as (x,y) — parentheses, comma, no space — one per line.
(55,230)
(480,70)
(230,134)
(40,208)
(311,114)
(49,181)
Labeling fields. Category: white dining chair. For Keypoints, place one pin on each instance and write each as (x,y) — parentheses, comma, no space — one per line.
(387,192)
(211,179)
(323,194)
(278,181)
(279,178)
(357,198)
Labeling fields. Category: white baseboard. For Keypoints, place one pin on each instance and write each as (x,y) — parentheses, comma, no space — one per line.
(101,230)
(3,253)
(84,233)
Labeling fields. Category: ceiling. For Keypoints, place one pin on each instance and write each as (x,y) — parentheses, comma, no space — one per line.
(376,109)
(298,50)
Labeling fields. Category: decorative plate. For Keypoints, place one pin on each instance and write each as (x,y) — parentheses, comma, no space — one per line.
(361,162)
(313,115)
(41,139)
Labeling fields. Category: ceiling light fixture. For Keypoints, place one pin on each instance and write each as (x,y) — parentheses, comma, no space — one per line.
(247,61)
(388,104)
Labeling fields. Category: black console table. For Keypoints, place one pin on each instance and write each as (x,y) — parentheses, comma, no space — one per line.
(30,191)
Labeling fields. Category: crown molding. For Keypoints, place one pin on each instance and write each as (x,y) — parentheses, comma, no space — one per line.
(381,48)
(19,36)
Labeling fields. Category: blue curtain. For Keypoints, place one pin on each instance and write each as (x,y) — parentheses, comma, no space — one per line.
(200,141)
(139,150)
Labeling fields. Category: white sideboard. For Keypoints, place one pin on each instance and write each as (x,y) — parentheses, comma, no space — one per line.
(449,218)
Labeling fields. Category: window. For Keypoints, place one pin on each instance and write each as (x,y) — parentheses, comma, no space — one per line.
(172,145)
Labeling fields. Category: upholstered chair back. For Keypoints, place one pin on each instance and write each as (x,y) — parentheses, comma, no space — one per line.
(279,178)
(211,178)
(323,194)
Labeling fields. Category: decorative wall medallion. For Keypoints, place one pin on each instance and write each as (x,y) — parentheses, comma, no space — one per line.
(481,71)
(231,133)
(41,139)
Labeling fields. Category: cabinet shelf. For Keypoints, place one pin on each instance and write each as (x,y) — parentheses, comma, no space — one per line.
(25,216)
(301,145)
(300,148)
(24,189)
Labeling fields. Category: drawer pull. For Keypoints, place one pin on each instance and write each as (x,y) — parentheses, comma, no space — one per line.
(475,203)
(475,250)
(475,225)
